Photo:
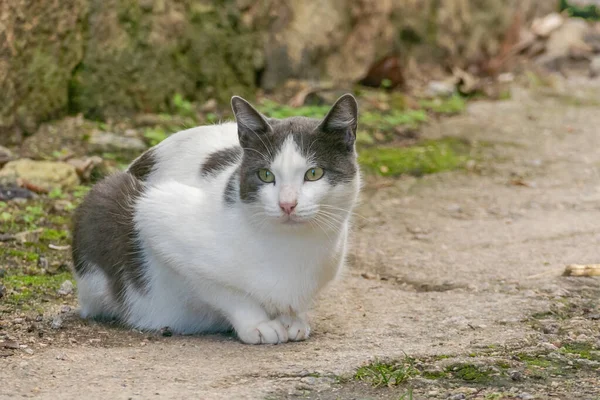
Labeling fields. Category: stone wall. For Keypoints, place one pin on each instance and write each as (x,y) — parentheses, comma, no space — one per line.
(110,58)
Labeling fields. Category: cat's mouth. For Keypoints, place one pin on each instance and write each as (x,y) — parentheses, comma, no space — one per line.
(293,220)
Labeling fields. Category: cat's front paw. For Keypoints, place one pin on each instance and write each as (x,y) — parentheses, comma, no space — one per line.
(297,328)
(269,332)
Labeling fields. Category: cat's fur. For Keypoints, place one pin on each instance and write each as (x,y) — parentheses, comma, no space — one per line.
(189,237)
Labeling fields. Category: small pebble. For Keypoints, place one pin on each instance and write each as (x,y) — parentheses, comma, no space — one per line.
(525,396)
(9,344)
(65,309)
(516,376)
(43,262)
(28,351)
(166,331)
(548,346)
(57,322)
(66,288)
(458,396)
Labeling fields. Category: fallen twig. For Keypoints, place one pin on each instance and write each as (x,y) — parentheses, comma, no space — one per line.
(582,270)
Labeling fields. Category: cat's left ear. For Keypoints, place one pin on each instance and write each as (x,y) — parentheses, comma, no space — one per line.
(251,123)
(342,120)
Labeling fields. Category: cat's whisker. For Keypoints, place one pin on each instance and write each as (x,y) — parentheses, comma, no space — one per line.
(262,141)
(351,212)
(265,158)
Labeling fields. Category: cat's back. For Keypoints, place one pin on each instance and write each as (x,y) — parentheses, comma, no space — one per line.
(183,155)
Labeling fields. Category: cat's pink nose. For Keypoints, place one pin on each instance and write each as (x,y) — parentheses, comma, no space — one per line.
(287,207)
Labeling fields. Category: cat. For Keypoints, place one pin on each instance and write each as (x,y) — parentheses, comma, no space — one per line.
(231,226)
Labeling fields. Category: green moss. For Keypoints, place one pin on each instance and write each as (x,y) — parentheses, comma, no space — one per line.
(26,289)
(53,235)
(161,61)
(469,373)
(391,119)
(20,254)
(448,106)
(387,374)
(80,191)
(433,375)
(589,11)
(534,361)
(582,350)
(425,158)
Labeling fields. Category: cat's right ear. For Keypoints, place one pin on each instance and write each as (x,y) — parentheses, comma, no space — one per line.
(251,123)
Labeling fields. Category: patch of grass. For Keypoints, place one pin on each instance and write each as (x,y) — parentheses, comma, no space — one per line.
(534,361)
(276,110)
(426,158)
(387,374)
(81,191)
(24,289)
(54,235)
(391,119)
(469,373)
(433,375)
(21,254)
(155,135)
(589,11)
(182,107)
(445,106)
(56,193)
(582,350)
(32,215)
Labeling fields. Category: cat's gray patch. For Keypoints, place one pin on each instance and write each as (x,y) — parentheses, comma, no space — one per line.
(104,235)
(220,160)
(329,143)
(143,165)
(231,193)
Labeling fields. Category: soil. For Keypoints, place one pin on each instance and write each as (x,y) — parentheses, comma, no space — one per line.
(460,271)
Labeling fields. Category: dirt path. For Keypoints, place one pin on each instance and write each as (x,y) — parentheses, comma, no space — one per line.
(443,267)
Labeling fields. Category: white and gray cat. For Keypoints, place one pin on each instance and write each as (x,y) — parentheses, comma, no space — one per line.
(237,225)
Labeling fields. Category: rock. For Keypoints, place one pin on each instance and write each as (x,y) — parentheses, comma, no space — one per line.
(210,106)
(516,376)
(5,155)
(66,288)
(595,67)
(525,396)
(12,192)
(567,41)
(9,344)
(2,290)
(458,396)
(543,27)
(28,351)
(386,72)
(85,166)
(441,88)
(65,309)
(57,322)
(32,236)
(106,141)
(44,174)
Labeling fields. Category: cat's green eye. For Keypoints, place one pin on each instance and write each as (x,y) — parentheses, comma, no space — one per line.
(314,174)
(266,176)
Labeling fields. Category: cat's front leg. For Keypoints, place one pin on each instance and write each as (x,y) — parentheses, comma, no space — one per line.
(296,326)
(250,321)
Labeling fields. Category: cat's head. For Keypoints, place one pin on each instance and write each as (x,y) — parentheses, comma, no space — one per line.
(299,170)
